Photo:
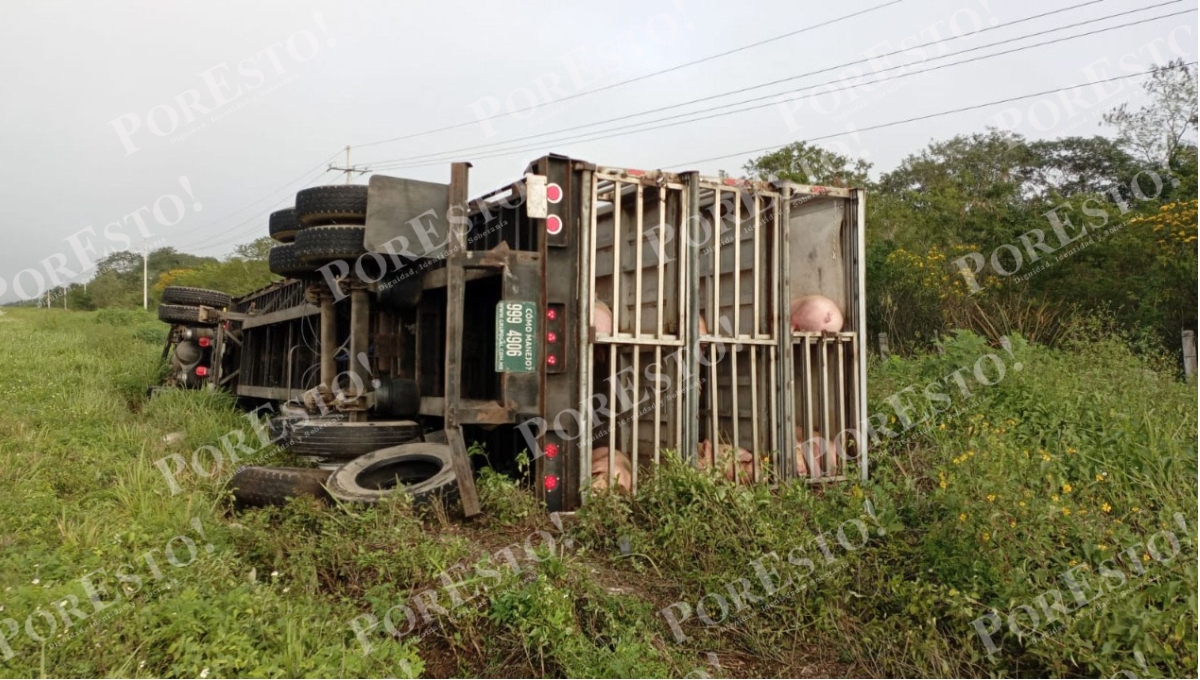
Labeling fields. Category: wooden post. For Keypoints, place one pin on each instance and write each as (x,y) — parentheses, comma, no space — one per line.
(883,345)
(1189,353)
(455,293)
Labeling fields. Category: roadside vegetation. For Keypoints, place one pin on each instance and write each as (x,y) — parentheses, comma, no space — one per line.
(1080,457)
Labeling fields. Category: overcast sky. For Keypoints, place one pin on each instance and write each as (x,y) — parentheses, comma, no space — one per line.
(96,96)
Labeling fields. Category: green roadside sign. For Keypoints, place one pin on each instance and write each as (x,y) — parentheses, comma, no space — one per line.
(516,337)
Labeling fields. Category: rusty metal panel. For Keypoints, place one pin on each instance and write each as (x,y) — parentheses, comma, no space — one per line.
(407,215)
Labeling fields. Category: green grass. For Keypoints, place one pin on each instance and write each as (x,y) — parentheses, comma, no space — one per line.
(276,593)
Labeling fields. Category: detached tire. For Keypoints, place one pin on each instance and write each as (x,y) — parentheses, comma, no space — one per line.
(345,204)
(339,440)
(260,486)
(283,225)
(318,245)
(184,295)
(422,470)
(182,314)
(283,261)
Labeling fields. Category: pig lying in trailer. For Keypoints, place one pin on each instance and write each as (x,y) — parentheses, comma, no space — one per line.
(809,313)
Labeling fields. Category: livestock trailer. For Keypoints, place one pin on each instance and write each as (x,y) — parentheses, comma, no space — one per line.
(579,310)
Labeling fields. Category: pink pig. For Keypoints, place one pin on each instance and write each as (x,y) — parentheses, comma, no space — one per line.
(815,313)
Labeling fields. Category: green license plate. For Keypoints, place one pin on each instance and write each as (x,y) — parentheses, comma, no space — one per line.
(516,337)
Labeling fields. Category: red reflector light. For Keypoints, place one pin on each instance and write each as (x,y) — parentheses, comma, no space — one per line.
(554,193)
(202,371)
(551,314)
(551,450)
(205,342)
(552,337)
(551,482)
(552,360)
(554,224)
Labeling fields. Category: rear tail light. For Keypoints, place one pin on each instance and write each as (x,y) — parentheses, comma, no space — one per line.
(550,482)
(202,371)
(205,342)
(551,450)
(555,320)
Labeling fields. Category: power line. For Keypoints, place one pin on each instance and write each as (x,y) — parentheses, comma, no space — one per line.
(630,128)
(473,148)
(637,78)
(208,237)
(926,116)
(254,221)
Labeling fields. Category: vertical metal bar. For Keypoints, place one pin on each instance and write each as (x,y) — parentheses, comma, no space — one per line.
(809,388)
(823,365)
(714,311)
(737,330)
(618,269)
(841,405)
(754,331)
(637,272)
(860,438)
(737,268)
(657,401)
(756,444)
(633,447)
(786,425)
(588,353)
(714,328)
(780,457)
(689,415)
(612,420)
(662,270)
(360,339)
(455,294)
(861,313)
(328,342)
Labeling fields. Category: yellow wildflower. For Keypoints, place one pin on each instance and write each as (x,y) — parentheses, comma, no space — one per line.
(991,498)
(962,517)
(1066,488)
(1106,507)
(1066,511)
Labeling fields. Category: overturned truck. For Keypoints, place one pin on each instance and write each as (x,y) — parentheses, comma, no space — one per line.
(597,320)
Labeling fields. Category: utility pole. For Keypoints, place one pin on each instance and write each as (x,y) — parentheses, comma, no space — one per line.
(349,169)
(145,277)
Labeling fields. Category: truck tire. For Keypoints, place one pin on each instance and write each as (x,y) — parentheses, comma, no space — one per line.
(284,262)
(256,486)
(283,225)
(184,295)
(318,245)
(182,314)
(344,204)
(423,470)
(338,440)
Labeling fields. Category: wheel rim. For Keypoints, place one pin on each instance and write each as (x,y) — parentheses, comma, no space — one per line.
(390,474)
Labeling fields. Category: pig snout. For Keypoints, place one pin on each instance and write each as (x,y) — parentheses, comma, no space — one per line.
(816,313)
(622,469)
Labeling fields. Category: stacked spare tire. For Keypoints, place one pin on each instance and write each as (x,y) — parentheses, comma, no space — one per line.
(325,225)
